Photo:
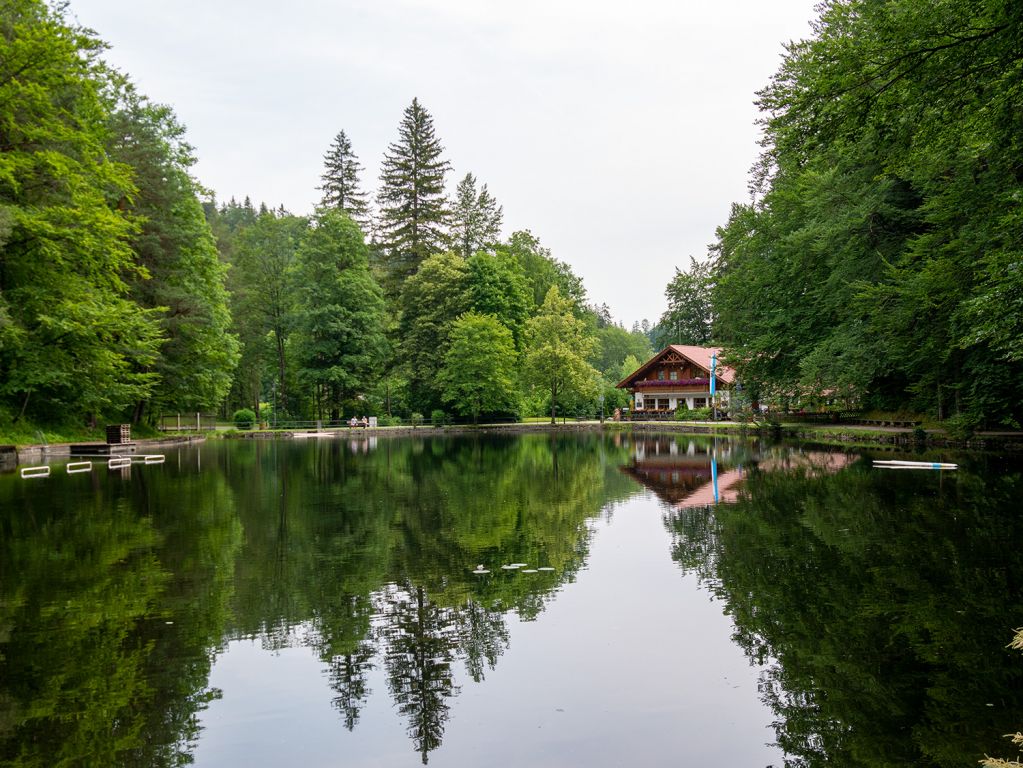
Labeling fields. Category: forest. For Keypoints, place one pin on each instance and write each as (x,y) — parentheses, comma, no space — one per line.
(876,265)
(127,291)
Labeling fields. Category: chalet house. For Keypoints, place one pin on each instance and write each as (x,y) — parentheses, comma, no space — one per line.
(679,374)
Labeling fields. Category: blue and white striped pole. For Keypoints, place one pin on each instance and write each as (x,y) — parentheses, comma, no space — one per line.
(713,380)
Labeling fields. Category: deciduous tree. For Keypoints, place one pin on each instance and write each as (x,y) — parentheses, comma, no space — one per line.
(339,318)
(557,347)
(478,375)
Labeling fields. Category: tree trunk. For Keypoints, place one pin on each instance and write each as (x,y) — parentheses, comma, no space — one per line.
(280,370)
(138,412)
(24,405)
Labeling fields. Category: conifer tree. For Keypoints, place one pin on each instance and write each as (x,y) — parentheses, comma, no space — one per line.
(476,218)
(412,206)
(341,169)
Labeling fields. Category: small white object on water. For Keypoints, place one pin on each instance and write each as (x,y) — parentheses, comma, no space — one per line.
(519,565)
(481,569)
(545,568)
(512,566)
(529,570)
(896,464)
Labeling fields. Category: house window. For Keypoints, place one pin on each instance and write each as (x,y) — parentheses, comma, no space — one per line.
(660,375)
(674,375)
(699,402)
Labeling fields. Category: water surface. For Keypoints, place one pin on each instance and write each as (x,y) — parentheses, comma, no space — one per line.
(701,602)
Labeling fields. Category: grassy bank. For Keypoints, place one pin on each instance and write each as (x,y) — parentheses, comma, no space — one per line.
(26,433)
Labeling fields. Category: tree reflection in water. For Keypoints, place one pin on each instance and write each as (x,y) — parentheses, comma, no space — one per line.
(882,599)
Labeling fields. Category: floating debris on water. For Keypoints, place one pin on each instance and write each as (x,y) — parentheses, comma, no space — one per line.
(512,566)
(480,569)
(545,568)
(529,570)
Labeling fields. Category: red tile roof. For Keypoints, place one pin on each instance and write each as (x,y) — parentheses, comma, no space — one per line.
(700,356)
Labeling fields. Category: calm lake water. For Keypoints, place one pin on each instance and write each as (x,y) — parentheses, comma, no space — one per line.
(675,601)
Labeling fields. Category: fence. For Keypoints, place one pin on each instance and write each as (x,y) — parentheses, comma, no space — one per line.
(188,422)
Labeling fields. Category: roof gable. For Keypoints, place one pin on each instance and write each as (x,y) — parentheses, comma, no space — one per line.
(698,356)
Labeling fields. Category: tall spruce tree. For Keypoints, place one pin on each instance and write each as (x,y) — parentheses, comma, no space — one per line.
(341,169)
(476,218)
(412,207)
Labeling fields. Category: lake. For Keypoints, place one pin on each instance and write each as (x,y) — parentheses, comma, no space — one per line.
(545,599)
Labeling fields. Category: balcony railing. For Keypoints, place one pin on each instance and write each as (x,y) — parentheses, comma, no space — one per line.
(652,383)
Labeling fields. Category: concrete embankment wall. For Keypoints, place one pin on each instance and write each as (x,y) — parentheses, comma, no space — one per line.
(38,454)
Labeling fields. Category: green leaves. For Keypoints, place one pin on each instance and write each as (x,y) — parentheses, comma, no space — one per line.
(479,368)
(557,348)
(881,258)
(339,321)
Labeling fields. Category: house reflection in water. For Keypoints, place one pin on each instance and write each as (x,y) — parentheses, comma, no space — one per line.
(697,474)
(685,474)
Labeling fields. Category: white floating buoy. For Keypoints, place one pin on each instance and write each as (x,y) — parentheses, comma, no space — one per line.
(74,467)
(29,472)
(118,462)
(157,458)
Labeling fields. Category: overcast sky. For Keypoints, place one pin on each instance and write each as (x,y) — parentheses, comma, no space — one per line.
(618,133)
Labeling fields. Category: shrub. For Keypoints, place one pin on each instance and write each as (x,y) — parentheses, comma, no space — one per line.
(416,419)
(388,421)
(438,418)
(244,418)
(961,426)
(700,414)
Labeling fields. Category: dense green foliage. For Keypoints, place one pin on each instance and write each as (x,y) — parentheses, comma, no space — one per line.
(881,262)
(340,322)
(111,292)
(479,369)
(557,348)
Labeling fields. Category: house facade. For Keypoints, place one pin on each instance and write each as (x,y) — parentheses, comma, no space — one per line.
(679,374)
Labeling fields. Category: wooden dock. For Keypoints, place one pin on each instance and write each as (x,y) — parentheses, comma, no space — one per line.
(102,449)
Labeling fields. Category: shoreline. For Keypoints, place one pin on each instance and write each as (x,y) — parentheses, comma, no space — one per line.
(848,436)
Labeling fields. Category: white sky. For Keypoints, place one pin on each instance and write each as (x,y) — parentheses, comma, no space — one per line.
(618,133)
